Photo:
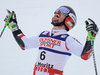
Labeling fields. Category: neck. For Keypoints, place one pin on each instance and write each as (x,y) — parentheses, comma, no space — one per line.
(59,27)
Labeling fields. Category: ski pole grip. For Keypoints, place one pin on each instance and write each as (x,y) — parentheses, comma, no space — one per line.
(91,38)
(8,19)
(7,22)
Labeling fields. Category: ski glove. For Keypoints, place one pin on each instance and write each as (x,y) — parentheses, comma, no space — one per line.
(12,22)
(91,28)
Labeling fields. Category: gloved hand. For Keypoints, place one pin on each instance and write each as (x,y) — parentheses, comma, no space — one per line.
(12,22)
(91,28)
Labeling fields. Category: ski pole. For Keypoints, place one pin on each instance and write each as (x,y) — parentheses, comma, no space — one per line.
(95,66)
(10,15)
(94,60)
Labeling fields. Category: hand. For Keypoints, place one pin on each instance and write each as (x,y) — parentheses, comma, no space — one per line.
(92,29)
(12,24)
(91,26)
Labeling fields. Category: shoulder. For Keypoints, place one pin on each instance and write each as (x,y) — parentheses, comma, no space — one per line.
(44,33)
(71,39)
(63,37)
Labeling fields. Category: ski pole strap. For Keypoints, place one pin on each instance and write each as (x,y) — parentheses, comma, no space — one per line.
(91,37)
(13,26)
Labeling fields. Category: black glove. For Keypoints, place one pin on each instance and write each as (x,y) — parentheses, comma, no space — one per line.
(91,26)
(13,18)
(12,22)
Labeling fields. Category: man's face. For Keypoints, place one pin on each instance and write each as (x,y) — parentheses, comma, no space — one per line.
(58,17)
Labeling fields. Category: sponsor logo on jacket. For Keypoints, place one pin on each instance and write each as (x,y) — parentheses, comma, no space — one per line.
(49,42)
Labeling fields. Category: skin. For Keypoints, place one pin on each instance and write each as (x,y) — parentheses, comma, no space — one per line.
(58,18)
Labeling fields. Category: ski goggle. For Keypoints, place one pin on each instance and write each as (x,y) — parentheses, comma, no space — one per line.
(70,19)
(64,10)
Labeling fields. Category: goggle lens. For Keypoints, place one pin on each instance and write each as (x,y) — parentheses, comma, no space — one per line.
(63,10)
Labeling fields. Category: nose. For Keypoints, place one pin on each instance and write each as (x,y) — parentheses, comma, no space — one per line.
(57,15)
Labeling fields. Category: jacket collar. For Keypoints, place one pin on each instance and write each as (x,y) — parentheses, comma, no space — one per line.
(58,32)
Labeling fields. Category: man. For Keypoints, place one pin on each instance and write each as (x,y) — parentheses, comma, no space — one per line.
(55,46)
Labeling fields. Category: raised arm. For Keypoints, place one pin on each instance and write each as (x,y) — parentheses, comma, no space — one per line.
(20,38)
(92,30)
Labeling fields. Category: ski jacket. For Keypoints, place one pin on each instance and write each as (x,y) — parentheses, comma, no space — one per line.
(55,48)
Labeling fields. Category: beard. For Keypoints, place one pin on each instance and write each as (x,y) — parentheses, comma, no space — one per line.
(57,24)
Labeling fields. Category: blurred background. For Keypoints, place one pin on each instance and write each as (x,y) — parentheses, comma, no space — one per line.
(34,16)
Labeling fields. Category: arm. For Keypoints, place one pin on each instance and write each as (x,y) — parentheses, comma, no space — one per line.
(77,48)
(92,29)
(24,42)
(18,35)
(21,39)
